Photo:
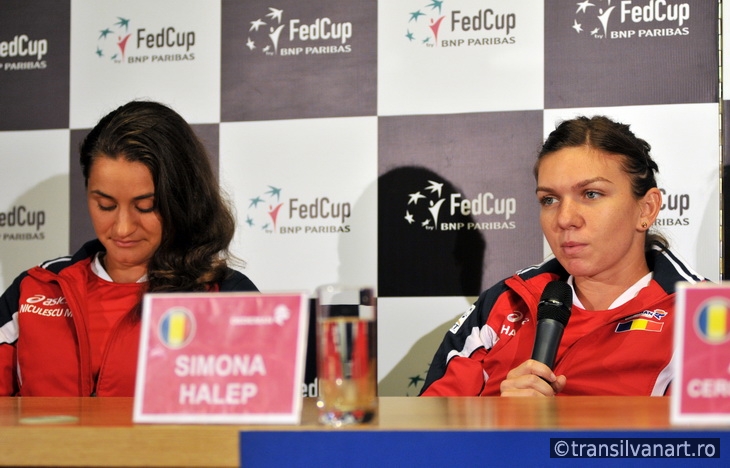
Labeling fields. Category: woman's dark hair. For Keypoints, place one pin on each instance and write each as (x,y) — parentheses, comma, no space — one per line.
(612,137)
(197,224)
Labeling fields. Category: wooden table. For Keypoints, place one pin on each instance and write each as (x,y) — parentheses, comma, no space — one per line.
(42,431)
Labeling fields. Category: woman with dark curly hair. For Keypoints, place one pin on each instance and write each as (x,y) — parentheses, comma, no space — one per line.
(70,326)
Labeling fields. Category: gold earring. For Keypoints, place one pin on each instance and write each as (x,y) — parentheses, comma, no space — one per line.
(644,225)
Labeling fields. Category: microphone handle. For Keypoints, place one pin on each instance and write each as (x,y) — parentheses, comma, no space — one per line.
(547,340)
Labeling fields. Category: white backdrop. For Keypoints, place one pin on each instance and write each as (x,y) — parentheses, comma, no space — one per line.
(306,130)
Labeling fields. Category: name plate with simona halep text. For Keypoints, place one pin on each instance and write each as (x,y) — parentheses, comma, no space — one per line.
(232,358)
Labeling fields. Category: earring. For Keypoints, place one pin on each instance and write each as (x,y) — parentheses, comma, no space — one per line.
(644,225)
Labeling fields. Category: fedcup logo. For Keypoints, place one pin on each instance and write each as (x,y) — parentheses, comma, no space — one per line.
(23,223)
(112,40)
(424,205)
(596,19)
(269,31)
(176,328)
(601,19)
(23,52)
(263,209)
(466,24)
(433,207)
(319,215)
(264,32)
(711,321)
(424,23)
(119,42)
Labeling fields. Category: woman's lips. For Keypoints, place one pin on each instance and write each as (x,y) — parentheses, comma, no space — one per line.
(572,248)
(125,244)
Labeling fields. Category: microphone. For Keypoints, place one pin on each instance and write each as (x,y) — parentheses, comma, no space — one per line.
(553,312)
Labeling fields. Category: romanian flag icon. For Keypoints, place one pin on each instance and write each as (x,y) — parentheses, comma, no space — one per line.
(640,324)
(711,321)
(176,327)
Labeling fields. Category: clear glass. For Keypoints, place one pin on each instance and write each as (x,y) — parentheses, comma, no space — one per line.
(346,354)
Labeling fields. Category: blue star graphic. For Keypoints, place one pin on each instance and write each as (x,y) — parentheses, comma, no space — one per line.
(436,4)
(105,33)
(415,15)
(274,192)
(123,23)
(255,202)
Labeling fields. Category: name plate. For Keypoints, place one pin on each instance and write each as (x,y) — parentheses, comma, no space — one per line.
(701,390)
(234,358)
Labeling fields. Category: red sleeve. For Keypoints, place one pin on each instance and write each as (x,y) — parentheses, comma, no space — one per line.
(8,358)
(463,377)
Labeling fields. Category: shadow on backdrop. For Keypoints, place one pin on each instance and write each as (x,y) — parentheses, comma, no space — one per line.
(41,233)
(416,256)
(423,250)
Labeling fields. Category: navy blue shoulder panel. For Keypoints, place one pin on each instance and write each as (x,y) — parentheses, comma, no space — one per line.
(89,249)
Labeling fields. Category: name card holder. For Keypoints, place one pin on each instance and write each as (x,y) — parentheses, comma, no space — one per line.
(701,388)
(230,358)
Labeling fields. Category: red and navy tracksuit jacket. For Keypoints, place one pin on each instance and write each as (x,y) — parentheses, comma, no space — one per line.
(44,344)
(623,351)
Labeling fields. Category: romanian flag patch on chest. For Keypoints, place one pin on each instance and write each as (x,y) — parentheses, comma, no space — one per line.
(639,324)
(648,320)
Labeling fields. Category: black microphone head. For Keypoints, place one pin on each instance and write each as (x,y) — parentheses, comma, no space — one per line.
(555,302)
